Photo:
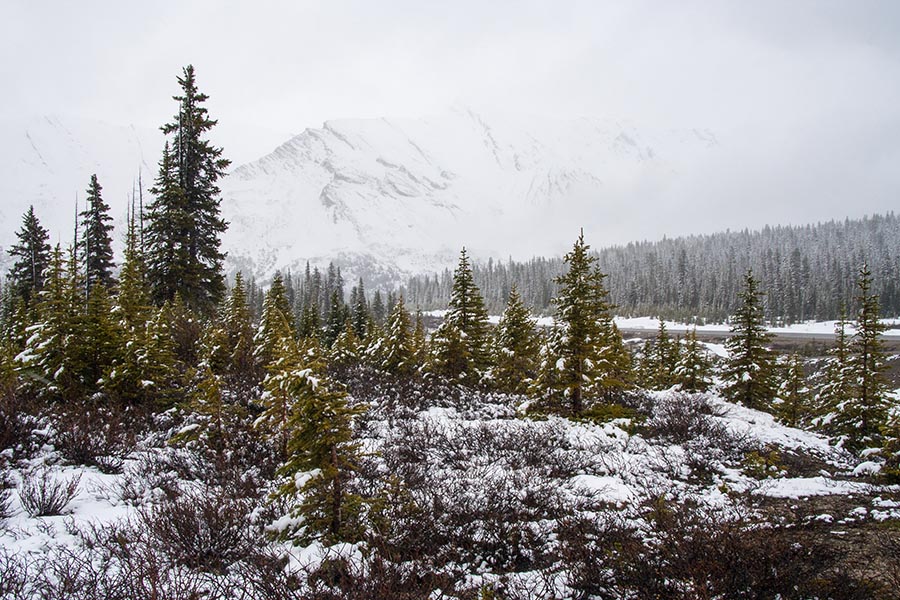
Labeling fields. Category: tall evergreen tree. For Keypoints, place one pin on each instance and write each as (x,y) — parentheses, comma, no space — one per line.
(96,239)
(693,373)
(748,375)
(275,324)
(32,258)
(588,359)
(837,385)
(794,393)
(461,345)
(396,350)
(184,222)
(860,420)
(515,347)
(360,310)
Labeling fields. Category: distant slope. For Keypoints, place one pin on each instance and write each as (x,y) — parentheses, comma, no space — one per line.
(806,272)
(403,195)
(48,162)
(383,198)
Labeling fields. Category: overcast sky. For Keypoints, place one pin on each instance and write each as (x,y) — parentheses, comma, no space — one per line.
(804,96)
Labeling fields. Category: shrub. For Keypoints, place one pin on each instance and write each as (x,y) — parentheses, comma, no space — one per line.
(202,529)
(14,576)
(95,434)
(44,495)
(680,417)
(14,430)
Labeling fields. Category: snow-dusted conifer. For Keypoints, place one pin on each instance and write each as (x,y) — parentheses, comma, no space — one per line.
(794,395)
(460,348)
(693,373)
(419,342)
(183,220)
(31,258)
(859,420)
(837,385)
(396,352)
(749,371)
(320,456)
(515,347)
(46,352)
(590,361)
(95,244)
(274,324)
(345,352)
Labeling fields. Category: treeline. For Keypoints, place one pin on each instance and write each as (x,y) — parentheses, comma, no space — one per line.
(805,272)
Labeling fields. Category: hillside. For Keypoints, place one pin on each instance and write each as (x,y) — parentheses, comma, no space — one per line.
(402,194)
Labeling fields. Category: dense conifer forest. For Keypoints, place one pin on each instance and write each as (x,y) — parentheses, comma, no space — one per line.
(806,272)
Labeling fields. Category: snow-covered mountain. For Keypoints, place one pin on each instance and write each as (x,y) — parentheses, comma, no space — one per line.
(381,197)
(403,195)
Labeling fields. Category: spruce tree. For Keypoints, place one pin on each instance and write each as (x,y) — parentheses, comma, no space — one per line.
(396,350)
(588,356)
(420,342)
(143,370)
(98,340)
(515,347)
(794,394)
(31,258)
(345,352)
(277,400)
(240,370)
(132,302)
(46,356)
(360,310)
(320,448)
(837,386)
(337,315)
(274,325)
(616,364)
(96,240)
(461,345)
(860,420)
(660,357)
(379,312)
(693,373)
(184,222)
(749,371)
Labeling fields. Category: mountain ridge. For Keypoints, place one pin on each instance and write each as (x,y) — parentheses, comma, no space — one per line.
(384,198)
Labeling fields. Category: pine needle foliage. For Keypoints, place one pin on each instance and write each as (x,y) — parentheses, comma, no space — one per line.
(516,347)
(749,373)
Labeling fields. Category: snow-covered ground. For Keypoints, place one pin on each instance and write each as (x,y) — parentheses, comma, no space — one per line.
(473,454)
